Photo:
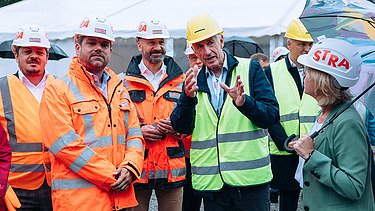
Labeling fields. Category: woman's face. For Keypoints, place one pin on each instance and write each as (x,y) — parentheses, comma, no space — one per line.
(309,83)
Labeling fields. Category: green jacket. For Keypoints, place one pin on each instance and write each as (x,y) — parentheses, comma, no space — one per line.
(337,175)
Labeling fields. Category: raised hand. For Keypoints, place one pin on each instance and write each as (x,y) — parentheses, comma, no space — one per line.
(191,81)
(237,92)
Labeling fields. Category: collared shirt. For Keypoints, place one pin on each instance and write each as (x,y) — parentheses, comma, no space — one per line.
(103,85)
(37,90)
(217,93)
(300,70)
(154,79)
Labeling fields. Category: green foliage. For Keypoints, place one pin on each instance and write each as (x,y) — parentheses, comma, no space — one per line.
(7,2)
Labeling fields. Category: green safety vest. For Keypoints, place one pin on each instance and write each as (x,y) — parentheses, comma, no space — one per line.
(297,116)
(228,149)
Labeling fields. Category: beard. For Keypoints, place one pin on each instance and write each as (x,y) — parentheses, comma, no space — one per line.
(153,57)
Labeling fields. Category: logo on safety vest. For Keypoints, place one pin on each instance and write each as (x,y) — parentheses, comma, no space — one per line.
(101,31)
(142,27)
(332,59)
(84,24)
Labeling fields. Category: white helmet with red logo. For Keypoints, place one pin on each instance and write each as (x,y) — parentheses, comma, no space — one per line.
(278,52)
(152,29)
(96,27)
(31,35)
(338,58)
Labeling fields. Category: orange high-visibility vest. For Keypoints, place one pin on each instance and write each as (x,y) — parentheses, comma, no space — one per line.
(19,115)
(89,137)
(164,159)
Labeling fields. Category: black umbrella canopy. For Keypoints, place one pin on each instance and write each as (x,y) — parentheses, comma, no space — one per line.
(242,47)
(55,52)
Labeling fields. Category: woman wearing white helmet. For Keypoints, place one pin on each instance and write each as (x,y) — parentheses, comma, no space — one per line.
(336,173)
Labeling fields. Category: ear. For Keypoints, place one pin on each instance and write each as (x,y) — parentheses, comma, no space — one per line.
(78,48)
(16,57)
(139,45)
(288,43)
(221,41)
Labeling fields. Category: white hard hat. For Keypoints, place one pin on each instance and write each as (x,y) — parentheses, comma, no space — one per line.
(96,27)
(279,51)
(188,49)
(152,29)
(338,58)
(31,35)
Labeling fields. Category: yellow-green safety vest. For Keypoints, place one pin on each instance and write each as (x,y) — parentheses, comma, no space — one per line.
(228,149)
(297,116)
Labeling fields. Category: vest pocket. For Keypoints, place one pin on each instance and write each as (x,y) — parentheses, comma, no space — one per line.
(172,96)
(137,95)
(175,152)
(87,107)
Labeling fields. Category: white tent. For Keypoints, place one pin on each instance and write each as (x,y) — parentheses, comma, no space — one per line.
(61,18)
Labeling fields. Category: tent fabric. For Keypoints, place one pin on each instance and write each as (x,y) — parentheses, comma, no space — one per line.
(61,19)
(238,17)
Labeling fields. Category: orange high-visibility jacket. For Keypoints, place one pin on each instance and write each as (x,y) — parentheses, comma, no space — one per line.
(89,137)
(11,200)
(164,158)
(19,115)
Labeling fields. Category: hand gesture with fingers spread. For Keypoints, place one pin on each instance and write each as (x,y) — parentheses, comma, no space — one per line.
(191,81)
(237,92)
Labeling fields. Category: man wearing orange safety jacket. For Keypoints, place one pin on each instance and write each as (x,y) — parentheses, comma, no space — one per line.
(155,82)
(21,94)
(92,129)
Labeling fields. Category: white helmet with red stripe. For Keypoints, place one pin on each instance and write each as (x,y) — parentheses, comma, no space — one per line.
(96,27)
(338,58)
(31,35)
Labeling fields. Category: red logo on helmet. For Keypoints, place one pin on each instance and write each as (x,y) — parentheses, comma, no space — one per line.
(142,27)
(19,35)
(84,24)
(331,59)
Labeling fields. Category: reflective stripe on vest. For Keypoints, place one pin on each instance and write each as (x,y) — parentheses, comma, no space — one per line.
(67,184)
(229,149)
(163,174)
(296,115)
(9,116)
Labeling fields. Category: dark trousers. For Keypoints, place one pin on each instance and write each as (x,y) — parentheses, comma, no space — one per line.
(191,200)
(288,200)
(238,199)
(39,199)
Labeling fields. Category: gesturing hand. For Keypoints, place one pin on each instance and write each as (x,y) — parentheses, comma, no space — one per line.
(237,92)
(191,81)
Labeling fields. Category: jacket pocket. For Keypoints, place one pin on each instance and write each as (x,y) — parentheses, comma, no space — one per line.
(175,152)
(86,107)
(172,96)
(137,95)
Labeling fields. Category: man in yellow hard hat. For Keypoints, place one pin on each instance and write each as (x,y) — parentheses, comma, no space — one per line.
(297,113)
(227,107)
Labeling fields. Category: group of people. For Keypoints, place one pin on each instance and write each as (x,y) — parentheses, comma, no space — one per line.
(90,140)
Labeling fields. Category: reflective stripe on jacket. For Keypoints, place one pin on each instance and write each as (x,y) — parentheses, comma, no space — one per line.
(19,115)
(297,115)
(89,138)
(163,159)
(228,149)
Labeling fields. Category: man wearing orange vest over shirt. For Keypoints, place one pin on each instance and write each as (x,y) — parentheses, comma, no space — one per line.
(92,129)
(154,82)
(19,115)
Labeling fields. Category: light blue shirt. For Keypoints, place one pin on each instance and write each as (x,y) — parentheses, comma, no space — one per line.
(102,87)
(217,93)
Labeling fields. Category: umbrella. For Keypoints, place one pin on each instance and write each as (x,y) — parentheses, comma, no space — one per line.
(350,20)
(242,47)
(55,52)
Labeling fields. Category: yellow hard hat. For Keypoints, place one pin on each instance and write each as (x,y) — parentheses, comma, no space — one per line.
(297,31)
(201,27)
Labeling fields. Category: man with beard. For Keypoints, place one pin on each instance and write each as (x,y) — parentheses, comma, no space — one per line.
(21,94)
(154,81)
(91,128)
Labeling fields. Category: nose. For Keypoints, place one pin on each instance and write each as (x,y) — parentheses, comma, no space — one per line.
(206,50)
(307,47)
